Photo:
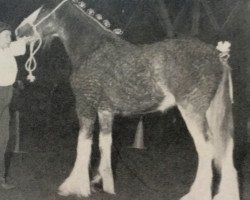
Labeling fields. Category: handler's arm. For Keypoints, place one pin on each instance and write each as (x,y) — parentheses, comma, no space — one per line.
(18,47)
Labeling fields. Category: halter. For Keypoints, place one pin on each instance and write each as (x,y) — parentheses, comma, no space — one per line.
(31,63)
(48,15)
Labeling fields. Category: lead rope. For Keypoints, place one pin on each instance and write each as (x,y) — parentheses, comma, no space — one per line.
(31,64)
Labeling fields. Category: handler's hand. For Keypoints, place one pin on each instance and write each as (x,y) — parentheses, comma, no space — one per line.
(28,40)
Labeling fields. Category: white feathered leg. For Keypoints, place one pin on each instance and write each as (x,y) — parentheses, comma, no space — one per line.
(105,144)
(228,189)
(78,182)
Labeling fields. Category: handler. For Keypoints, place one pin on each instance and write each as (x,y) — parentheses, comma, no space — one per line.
(8,73)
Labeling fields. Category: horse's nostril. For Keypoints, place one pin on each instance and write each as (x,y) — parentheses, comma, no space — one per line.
(26,30)
(18,32)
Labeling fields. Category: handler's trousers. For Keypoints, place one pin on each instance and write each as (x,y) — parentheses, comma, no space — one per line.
(5,99)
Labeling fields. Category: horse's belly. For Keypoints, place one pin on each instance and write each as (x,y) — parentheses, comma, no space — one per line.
(149,98)
(167,102)
(133,98)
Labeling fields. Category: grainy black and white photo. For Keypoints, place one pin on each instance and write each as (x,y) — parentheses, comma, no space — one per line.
(124,99)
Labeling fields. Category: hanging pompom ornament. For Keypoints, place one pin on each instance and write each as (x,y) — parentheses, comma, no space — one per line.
(91,12)
(82,4)
(106,23)
(223,46)
(118,31)
(98,17)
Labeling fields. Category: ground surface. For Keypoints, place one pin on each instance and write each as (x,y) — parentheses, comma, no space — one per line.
(162,171)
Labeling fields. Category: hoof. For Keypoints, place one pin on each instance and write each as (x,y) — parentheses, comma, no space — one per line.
(97,184)
(196,196)
(109,190)
(74,188)
(226,196)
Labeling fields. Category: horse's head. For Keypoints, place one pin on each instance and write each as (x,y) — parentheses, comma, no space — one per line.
(40,23)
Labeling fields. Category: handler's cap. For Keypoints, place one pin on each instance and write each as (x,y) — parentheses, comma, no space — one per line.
(4,26)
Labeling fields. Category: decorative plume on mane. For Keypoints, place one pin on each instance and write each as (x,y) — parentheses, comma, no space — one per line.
(104,23)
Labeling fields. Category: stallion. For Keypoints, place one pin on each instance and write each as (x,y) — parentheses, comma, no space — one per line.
(112,76)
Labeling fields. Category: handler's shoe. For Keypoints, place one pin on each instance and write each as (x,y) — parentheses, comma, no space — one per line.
(5,185)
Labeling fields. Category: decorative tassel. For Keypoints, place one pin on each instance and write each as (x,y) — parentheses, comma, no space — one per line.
(31,77)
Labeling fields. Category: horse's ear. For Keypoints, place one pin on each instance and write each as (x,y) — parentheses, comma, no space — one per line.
(31,18)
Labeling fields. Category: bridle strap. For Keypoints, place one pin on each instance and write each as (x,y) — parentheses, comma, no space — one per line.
(48,15)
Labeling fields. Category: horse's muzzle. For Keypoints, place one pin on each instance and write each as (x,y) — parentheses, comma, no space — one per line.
(24,31)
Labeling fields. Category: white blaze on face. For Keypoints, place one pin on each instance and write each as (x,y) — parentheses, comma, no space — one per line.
(30,19)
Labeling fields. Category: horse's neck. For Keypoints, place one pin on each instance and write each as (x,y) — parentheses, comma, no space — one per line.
(77,46)
(82,41)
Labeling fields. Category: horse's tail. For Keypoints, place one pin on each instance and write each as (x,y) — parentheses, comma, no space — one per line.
(219,114)
(220,123)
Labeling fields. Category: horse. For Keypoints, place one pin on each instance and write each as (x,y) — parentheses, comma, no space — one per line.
(112,76)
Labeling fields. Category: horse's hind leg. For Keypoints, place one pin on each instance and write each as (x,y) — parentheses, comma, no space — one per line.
(197,126)
(228,189)
(105,143)
(220,122)
(78,182)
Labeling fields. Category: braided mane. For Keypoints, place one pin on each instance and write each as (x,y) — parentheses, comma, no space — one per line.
(98,18)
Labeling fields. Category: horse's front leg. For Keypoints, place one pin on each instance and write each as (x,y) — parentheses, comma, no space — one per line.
(78,182)
(105,143)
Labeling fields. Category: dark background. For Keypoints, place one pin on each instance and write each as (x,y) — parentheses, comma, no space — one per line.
(47,105)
